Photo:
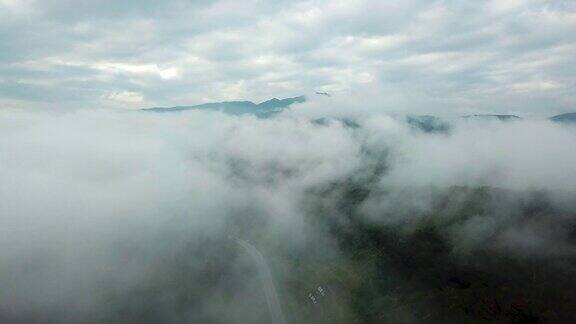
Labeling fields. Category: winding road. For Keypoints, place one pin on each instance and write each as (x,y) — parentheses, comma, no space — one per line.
(276,314)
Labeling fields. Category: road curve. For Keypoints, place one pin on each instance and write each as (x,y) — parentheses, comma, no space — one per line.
(276,314)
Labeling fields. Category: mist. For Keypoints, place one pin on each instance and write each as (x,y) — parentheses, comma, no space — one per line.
(126,216)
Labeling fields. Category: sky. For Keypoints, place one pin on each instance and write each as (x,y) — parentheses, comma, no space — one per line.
(494,56)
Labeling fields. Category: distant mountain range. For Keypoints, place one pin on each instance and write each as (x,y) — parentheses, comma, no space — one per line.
(433,124)
(269,108)
(565,118)
(499,117)
(264,109)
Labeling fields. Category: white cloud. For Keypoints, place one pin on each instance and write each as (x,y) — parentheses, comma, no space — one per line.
(126,97)
(536,86)
(181,52)
(16,7)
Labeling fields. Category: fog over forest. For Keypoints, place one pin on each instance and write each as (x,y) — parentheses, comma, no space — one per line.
(112,216)
(287,161)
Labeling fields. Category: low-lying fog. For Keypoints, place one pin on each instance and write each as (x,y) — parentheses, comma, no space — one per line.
(123,216)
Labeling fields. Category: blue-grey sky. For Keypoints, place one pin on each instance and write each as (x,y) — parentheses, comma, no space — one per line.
(514,56)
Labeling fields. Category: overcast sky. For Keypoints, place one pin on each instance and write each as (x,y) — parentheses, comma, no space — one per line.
(513,56)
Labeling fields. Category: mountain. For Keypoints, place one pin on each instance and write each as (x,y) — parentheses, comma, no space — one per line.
(265,109)
(346,122)
(564,118)
(499,117)
(276,103)
(428,124)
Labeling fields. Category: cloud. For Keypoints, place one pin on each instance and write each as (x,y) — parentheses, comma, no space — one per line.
(107,213)
(126,97)
(199,48)
(98,206)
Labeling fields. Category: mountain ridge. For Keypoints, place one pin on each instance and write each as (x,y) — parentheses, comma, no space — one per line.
(564,118)
(264,109)
(273,106)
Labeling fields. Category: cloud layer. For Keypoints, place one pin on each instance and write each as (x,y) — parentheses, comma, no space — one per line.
(108,213)
(487,56)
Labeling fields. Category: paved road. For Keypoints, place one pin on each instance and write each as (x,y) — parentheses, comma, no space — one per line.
(276,315)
